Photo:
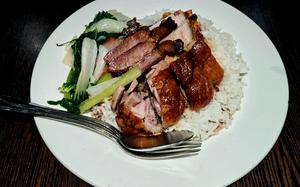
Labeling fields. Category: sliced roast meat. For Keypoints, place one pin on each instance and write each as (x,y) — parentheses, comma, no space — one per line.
(145,55)
(133,27)
(171,48)
(213,71)
(165,48)
(158,100)
(184,33)
(136,116)
(128,43)
(178,18)
(155,69)
(202,56)
(156,106)
(141,36)
(195,26)
(200,52)
(111,43)
(183,68)
(129,58)
(150,59)
(164,29)
(170,99)
(132,86)
(129,123)
(199,90)
(198,71)
(116,98)
(133,99)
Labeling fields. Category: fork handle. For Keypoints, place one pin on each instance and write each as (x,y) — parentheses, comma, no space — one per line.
(17,105)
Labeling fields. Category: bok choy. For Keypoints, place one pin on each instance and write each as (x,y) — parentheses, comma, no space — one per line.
(80,60)
(88,59)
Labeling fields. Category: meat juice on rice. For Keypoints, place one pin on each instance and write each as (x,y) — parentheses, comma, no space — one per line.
(218,114)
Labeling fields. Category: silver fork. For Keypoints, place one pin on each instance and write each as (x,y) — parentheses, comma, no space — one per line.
(168,145)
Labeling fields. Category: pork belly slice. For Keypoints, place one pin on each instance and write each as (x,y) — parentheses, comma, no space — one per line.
(169,97)
(141,36)
(129,58)
(128,43)
(136,116)
(145,55)
(167,47)
(199,90)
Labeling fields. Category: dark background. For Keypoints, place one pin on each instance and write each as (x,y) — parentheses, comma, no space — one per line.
(26,161)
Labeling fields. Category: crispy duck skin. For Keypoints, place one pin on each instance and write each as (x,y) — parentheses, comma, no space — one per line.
(200,52)
(199,90)
(169,97)
(129,123)
(213,71)
(195,26)
(128,42)
(183,68)
(129,58)
(198,71)
(163,30)
(202,56)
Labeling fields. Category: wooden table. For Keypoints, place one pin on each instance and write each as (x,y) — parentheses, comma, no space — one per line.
(26,161)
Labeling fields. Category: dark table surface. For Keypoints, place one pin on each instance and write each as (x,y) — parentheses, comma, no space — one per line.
(24,157)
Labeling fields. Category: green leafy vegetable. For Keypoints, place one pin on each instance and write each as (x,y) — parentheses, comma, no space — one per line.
(68,88)
(66,103)
(70,85)
(100,16)
(107,25)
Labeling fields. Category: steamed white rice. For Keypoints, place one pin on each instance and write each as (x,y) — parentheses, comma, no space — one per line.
(219,113)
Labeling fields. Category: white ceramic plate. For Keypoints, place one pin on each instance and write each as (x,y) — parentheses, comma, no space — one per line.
(223,159)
